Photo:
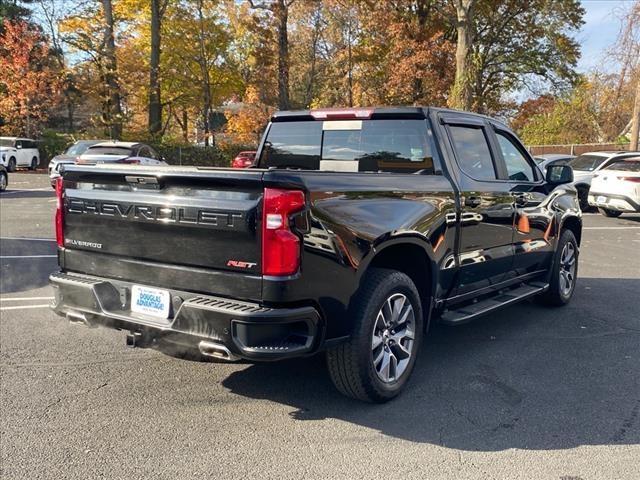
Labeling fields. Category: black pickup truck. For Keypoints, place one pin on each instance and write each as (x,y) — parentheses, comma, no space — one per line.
(354,230)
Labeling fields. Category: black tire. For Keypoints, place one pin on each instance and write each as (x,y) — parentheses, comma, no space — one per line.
(583,198)
(4,181)
(558,295)
(351,364)
(12,165)
(34,164)
(609,213)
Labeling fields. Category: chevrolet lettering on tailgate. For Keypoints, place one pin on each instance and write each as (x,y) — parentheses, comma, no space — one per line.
(155,213)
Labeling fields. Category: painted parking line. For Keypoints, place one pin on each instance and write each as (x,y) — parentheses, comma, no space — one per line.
(29,239)
(4,257)
(23,299)
(611,228)
(24,307)
(28,190)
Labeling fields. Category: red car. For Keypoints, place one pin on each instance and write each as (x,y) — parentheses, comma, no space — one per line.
(244,159)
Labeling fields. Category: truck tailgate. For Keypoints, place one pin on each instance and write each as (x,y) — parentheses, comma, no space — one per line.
(163,217)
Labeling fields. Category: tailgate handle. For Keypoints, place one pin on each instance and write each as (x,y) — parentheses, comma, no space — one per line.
(137,181)
(141,180)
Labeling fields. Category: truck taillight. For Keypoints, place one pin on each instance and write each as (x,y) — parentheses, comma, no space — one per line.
(280,246)
(59,218)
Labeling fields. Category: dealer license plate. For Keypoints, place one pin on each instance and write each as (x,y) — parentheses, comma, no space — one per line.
(150,301)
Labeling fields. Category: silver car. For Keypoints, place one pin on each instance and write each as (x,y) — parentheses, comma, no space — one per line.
(131,153)
(69,157)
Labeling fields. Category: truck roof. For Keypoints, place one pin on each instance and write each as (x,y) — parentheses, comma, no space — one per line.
(364,113)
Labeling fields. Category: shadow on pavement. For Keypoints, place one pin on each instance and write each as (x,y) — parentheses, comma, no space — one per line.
(29,272)
(528,377)
(17,193)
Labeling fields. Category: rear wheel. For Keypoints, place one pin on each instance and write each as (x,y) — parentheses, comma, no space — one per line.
(609,213)
(34,164)
(3,181)
(376,362)
(565,271)
(12,164)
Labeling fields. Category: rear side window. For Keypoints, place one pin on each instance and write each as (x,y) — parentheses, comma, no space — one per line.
(399,146)
(472,152)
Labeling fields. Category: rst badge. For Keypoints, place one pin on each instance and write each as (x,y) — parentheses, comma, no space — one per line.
(240,264)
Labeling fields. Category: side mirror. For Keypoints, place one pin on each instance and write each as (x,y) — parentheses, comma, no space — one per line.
(559,174)
(18,146)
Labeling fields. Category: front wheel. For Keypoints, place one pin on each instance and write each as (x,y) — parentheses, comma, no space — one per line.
(564,273)
(3,181)
(376,362)
(609,213)
(11,167)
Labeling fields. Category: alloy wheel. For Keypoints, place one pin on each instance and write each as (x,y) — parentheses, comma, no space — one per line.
(567,268)
(393,338)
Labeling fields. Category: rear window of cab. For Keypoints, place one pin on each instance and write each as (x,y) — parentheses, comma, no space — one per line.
(399,146)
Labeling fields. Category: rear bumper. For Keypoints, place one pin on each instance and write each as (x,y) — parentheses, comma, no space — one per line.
(218,327)
(621,203)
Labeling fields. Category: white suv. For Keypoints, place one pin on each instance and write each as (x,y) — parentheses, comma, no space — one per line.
(18,152)
(616,188)
(587,165)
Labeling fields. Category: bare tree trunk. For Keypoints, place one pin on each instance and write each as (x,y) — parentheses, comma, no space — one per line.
(185,125)
(182,120)
(70,112)
(155,105)
(635,125)
(461,95)
(317,25)
(350,54)
(206,82)
(281,11)
(111,74)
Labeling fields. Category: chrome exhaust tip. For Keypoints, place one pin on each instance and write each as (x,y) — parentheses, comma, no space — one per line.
(215,350)
(77,318)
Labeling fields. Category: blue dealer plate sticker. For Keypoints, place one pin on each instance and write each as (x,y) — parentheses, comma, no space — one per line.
(150,301)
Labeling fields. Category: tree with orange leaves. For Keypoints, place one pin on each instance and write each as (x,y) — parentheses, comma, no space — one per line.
(29,84)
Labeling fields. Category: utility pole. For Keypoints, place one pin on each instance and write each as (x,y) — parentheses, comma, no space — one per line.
(635,121)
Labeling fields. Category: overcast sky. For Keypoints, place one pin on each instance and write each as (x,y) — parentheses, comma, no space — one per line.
(599,31)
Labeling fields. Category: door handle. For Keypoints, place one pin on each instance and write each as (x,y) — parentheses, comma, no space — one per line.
(521,200)
(472,201)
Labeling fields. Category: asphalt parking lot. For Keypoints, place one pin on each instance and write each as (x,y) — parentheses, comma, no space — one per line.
(531,392)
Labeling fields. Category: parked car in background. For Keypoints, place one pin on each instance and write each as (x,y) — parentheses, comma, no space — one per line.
(244,159)
(585,166)
(4,178)
(69,157)
(131,153)
(547,159)
(19,152)
(615,189)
